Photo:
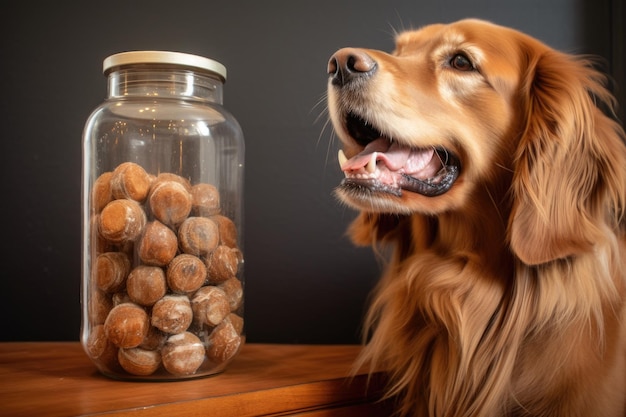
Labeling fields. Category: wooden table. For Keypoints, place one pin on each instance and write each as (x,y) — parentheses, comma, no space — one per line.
(57,379)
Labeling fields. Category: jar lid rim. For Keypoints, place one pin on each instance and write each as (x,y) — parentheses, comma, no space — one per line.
(163,57)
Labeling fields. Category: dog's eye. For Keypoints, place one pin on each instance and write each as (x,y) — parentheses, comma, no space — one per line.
(461,62)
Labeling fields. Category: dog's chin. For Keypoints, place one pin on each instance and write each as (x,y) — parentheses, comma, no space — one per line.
(375,196)
(370,197)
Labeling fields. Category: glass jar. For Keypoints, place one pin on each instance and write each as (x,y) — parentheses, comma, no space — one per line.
(162,194)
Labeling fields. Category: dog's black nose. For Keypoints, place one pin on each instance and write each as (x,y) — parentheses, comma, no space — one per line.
(348,64)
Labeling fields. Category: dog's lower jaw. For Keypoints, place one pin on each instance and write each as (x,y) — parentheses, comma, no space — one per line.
(367,188)
(372,195)
(387,168)
(432,187)
(362,196)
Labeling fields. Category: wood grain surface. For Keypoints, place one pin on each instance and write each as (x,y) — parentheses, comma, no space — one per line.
(57,379)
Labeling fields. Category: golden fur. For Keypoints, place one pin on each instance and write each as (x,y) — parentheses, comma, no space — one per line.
(506,294)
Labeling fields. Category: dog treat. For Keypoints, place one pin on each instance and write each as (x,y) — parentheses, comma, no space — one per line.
(154,340)
(146,284)
(130,180)
(139,361)
(97,342)
(168,176)
(227,230)
(164,286)
(198,236)
(183,354)
(127,325)
(221,264)
(101,193)
(172,314)
(121,298)
(122,221)
(98,345)
(158,244)
(206,200)
(100,304)
(223,342)
(98,242)
(234,292)
(126,247)
(100,349)
(185,273)
(112,268)
(170,202)
(236,321)
(210,305)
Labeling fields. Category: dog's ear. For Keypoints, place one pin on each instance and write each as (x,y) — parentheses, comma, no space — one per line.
(569,168)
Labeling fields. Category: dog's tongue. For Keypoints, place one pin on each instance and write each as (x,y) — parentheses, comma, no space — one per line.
(412,162)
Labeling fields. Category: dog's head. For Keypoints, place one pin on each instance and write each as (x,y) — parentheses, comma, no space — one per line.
(421,126)
(472,107)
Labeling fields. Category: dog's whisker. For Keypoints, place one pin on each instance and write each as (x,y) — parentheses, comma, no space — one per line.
(496,206)
(444,161)
(321,102)
(403,28)
(330,142)
(324,113)
(504,167)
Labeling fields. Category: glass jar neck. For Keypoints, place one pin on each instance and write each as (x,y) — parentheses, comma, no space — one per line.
(163,82)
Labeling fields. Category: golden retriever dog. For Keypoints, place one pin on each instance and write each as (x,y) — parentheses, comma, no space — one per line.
(488,169)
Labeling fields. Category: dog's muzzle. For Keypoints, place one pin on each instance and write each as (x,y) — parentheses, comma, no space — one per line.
(383,165)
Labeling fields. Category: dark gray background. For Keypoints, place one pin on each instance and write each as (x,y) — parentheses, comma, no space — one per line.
(305,282)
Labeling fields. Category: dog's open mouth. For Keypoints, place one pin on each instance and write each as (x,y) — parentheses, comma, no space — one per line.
(388,166)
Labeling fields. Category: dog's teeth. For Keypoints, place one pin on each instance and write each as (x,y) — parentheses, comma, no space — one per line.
(342,158)
(371,165)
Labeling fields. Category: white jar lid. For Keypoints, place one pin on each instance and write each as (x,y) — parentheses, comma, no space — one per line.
(163,57)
